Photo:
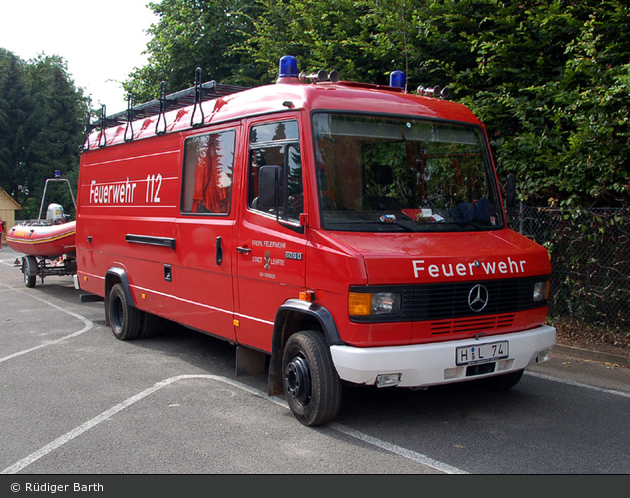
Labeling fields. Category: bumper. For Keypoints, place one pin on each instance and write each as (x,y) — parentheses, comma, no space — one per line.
(432,364)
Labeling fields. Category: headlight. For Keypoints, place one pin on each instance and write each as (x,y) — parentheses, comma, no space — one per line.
(377,303)
(541,291)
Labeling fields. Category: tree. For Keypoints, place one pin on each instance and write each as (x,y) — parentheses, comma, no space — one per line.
(58,121)
(42,118)
(326,34)
(191,34)
(15,107)
(550,79)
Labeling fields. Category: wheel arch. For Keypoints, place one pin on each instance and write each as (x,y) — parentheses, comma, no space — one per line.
(115,276)
(293,316)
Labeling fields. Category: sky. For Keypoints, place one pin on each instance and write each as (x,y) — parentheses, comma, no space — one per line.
(102,41)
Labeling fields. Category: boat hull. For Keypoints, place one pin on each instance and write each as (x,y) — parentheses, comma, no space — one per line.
(44,241)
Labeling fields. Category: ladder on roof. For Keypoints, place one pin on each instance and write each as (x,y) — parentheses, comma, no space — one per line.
(194,96)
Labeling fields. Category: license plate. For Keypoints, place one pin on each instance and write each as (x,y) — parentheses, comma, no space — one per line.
(482,353)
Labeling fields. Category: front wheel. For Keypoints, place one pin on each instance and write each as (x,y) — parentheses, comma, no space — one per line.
(501,382)
(311,384)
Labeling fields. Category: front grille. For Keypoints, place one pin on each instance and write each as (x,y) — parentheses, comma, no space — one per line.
(476,324)
(447,305)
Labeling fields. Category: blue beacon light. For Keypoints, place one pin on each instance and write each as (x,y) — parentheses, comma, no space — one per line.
(398,79)
(288,67)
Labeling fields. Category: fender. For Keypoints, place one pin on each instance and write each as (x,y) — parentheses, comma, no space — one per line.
(319,313)
(115,273)
(284,326)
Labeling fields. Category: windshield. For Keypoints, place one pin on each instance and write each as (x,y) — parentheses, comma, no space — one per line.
(389,174)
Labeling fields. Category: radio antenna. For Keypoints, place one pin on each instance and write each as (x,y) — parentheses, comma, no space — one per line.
(404,30)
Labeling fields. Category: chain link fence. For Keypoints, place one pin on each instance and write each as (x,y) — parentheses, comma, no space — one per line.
(590,258)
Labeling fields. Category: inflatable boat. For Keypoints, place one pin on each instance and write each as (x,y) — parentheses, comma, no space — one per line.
(48,241)
(48,244)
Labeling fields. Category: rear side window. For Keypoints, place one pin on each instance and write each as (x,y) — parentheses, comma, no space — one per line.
(208,167)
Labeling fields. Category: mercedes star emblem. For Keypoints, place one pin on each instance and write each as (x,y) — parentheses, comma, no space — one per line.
(478,298)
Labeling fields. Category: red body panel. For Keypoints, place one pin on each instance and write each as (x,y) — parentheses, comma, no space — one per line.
(130,192)
(422,258)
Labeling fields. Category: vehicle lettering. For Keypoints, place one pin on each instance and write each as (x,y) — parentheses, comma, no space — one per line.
(116,193)
(154,184)
(279,245)
(449,270)
(271,244)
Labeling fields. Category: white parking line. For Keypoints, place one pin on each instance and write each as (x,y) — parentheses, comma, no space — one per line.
(88,325)
(69,436)
(578,384)
(392,448)
(8,262)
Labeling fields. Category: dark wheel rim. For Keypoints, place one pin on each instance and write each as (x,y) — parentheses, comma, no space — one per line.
(298,379)
(117,313)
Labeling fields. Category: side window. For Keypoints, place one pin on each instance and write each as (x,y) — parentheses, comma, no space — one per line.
(275,170)
(208,165)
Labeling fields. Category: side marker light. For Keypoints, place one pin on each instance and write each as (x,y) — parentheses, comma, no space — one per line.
(307,296)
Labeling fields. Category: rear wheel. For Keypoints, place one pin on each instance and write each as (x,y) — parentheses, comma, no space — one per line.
(501,382)
(311,384)
(29,266)
(150,325)
(125,319)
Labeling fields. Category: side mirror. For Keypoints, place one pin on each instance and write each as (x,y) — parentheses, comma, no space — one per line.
(510,191)
(270,179)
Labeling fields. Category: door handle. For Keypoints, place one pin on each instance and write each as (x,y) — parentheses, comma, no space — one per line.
(219,251)
(243,250)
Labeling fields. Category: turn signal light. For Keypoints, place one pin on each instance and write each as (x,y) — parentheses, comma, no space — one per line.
(360,304)
(306,296)
(377,303)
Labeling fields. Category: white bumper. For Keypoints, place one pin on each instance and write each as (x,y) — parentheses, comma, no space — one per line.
(432,364)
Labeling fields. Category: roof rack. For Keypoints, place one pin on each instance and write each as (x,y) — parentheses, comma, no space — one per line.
(195,95)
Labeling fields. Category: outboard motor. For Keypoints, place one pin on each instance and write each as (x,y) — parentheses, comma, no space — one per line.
(55,214)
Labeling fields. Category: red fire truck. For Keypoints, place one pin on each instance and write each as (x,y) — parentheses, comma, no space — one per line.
(335,232)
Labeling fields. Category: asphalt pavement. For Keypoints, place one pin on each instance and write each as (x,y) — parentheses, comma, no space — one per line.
(76,401)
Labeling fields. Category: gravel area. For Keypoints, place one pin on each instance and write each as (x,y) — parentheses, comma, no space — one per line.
(576,334)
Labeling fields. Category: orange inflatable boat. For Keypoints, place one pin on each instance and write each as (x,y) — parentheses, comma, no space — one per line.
(47,241)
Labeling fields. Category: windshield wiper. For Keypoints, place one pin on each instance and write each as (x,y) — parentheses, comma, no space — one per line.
(473,224)
(370,222)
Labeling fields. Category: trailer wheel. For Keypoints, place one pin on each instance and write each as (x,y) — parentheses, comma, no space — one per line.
(311,383)
(125,320)
(28,264)
(502,382)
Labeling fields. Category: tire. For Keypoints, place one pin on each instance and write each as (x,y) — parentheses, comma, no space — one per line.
(501,382)
(311,384)
(28,263)
(150,325)
(125,320)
